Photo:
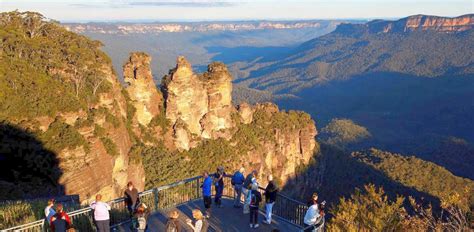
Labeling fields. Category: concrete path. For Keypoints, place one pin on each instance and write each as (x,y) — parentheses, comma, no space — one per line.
(226,219)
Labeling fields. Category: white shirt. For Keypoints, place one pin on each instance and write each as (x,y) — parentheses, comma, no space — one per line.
(101,210)
(311,215)
(198,226)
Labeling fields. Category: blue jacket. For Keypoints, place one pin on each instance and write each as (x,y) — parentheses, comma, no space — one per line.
(238,178)
(206,187)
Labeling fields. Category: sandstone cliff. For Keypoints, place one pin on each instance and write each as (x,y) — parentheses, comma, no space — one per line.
(411,24)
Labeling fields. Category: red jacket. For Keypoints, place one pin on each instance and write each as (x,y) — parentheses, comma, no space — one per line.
(60,216)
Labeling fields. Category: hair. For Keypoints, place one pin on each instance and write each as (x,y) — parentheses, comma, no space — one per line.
(314,198)
(242,169)
(174,214)
(59,207)
(270,177)
(98,197)
(140,209)
(254,172)
(50,201)
(197,214)
(129,184)
(205,173)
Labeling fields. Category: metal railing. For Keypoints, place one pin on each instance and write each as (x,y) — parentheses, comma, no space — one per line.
(168,196)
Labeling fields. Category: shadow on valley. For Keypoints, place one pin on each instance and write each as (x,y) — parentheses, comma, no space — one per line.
(27,168)
(337,174)
(427,117)
(230,55)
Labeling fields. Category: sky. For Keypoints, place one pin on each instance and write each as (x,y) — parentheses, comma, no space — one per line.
(199,10)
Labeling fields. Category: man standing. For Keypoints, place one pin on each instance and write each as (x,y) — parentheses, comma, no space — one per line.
(131,198)
(237,181)
(270,196)
(101,214)
(206,193)
(219,186)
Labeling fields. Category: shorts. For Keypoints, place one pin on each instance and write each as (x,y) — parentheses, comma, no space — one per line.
(207,202)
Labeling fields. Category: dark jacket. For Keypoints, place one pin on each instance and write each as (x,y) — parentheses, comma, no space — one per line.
(271,192)
(248,181)
(258,199)
(131,197)
(173,223)
(60,222)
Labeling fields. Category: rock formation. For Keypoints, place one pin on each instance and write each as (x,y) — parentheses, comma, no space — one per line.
(201,103)
(142,89)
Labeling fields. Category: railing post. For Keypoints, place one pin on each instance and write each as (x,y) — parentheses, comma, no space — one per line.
(156,198)
(198,187)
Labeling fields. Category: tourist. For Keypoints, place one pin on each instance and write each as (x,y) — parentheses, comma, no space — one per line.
(255,199)
(313,218)
(140,218)
(219,185)
(60,221)
(101,214)
(237,182)
(172,225)
(49,210)
(131,198)
(249,180)
(270,196)
(199,224)
(206,193)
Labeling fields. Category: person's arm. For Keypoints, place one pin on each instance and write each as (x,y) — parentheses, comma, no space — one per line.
(108,206)
(93,204)
(68,220)
(51,222)
(46,211)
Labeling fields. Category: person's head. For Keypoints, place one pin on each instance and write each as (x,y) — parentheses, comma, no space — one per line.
(98,197)
(140,209)
(130,185)
(314,198)
(59,207)
(197,214)
(174,214)
(255,186)
(254,173)
(270,178)
(205,174)
(242,170)
(50,202)
(220,169)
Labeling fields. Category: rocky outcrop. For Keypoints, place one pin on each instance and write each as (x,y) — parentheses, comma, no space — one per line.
(142,89)
(201,103)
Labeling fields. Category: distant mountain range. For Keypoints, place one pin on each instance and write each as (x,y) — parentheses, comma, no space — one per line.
(144,28)
(427,46)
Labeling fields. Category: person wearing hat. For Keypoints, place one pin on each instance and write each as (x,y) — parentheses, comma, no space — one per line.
(172,225)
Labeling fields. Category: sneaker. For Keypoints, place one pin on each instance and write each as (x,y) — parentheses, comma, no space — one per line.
(256,226)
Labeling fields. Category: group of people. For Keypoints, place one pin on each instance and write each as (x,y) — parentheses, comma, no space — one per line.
(246,186)
(59,221)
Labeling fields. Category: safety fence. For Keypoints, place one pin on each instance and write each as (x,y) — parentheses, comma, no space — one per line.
(164,197)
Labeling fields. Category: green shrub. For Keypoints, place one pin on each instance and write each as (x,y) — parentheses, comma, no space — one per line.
(110,146)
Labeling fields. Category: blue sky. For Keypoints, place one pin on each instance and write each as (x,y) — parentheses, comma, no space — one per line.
(195,10)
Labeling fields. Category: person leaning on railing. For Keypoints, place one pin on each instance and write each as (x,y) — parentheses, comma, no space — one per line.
(60,222)
(249,180)
(270,196)
(237,181)
(219,186)
(131,198)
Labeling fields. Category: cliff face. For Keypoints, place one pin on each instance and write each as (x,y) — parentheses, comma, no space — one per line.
(142,89)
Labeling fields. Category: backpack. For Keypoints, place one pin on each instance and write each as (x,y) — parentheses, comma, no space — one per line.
(171,227)
(253,200)
(234,178)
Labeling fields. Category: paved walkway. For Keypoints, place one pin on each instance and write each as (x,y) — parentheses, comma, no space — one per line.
(226,219)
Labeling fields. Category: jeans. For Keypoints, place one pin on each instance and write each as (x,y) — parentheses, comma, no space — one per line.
(103,226)
(219,191)
(237,194)
(253,215)
(268,211)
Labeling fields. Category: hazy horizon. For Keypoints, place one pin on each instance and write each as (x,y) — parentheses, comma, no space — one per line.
(227,10)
